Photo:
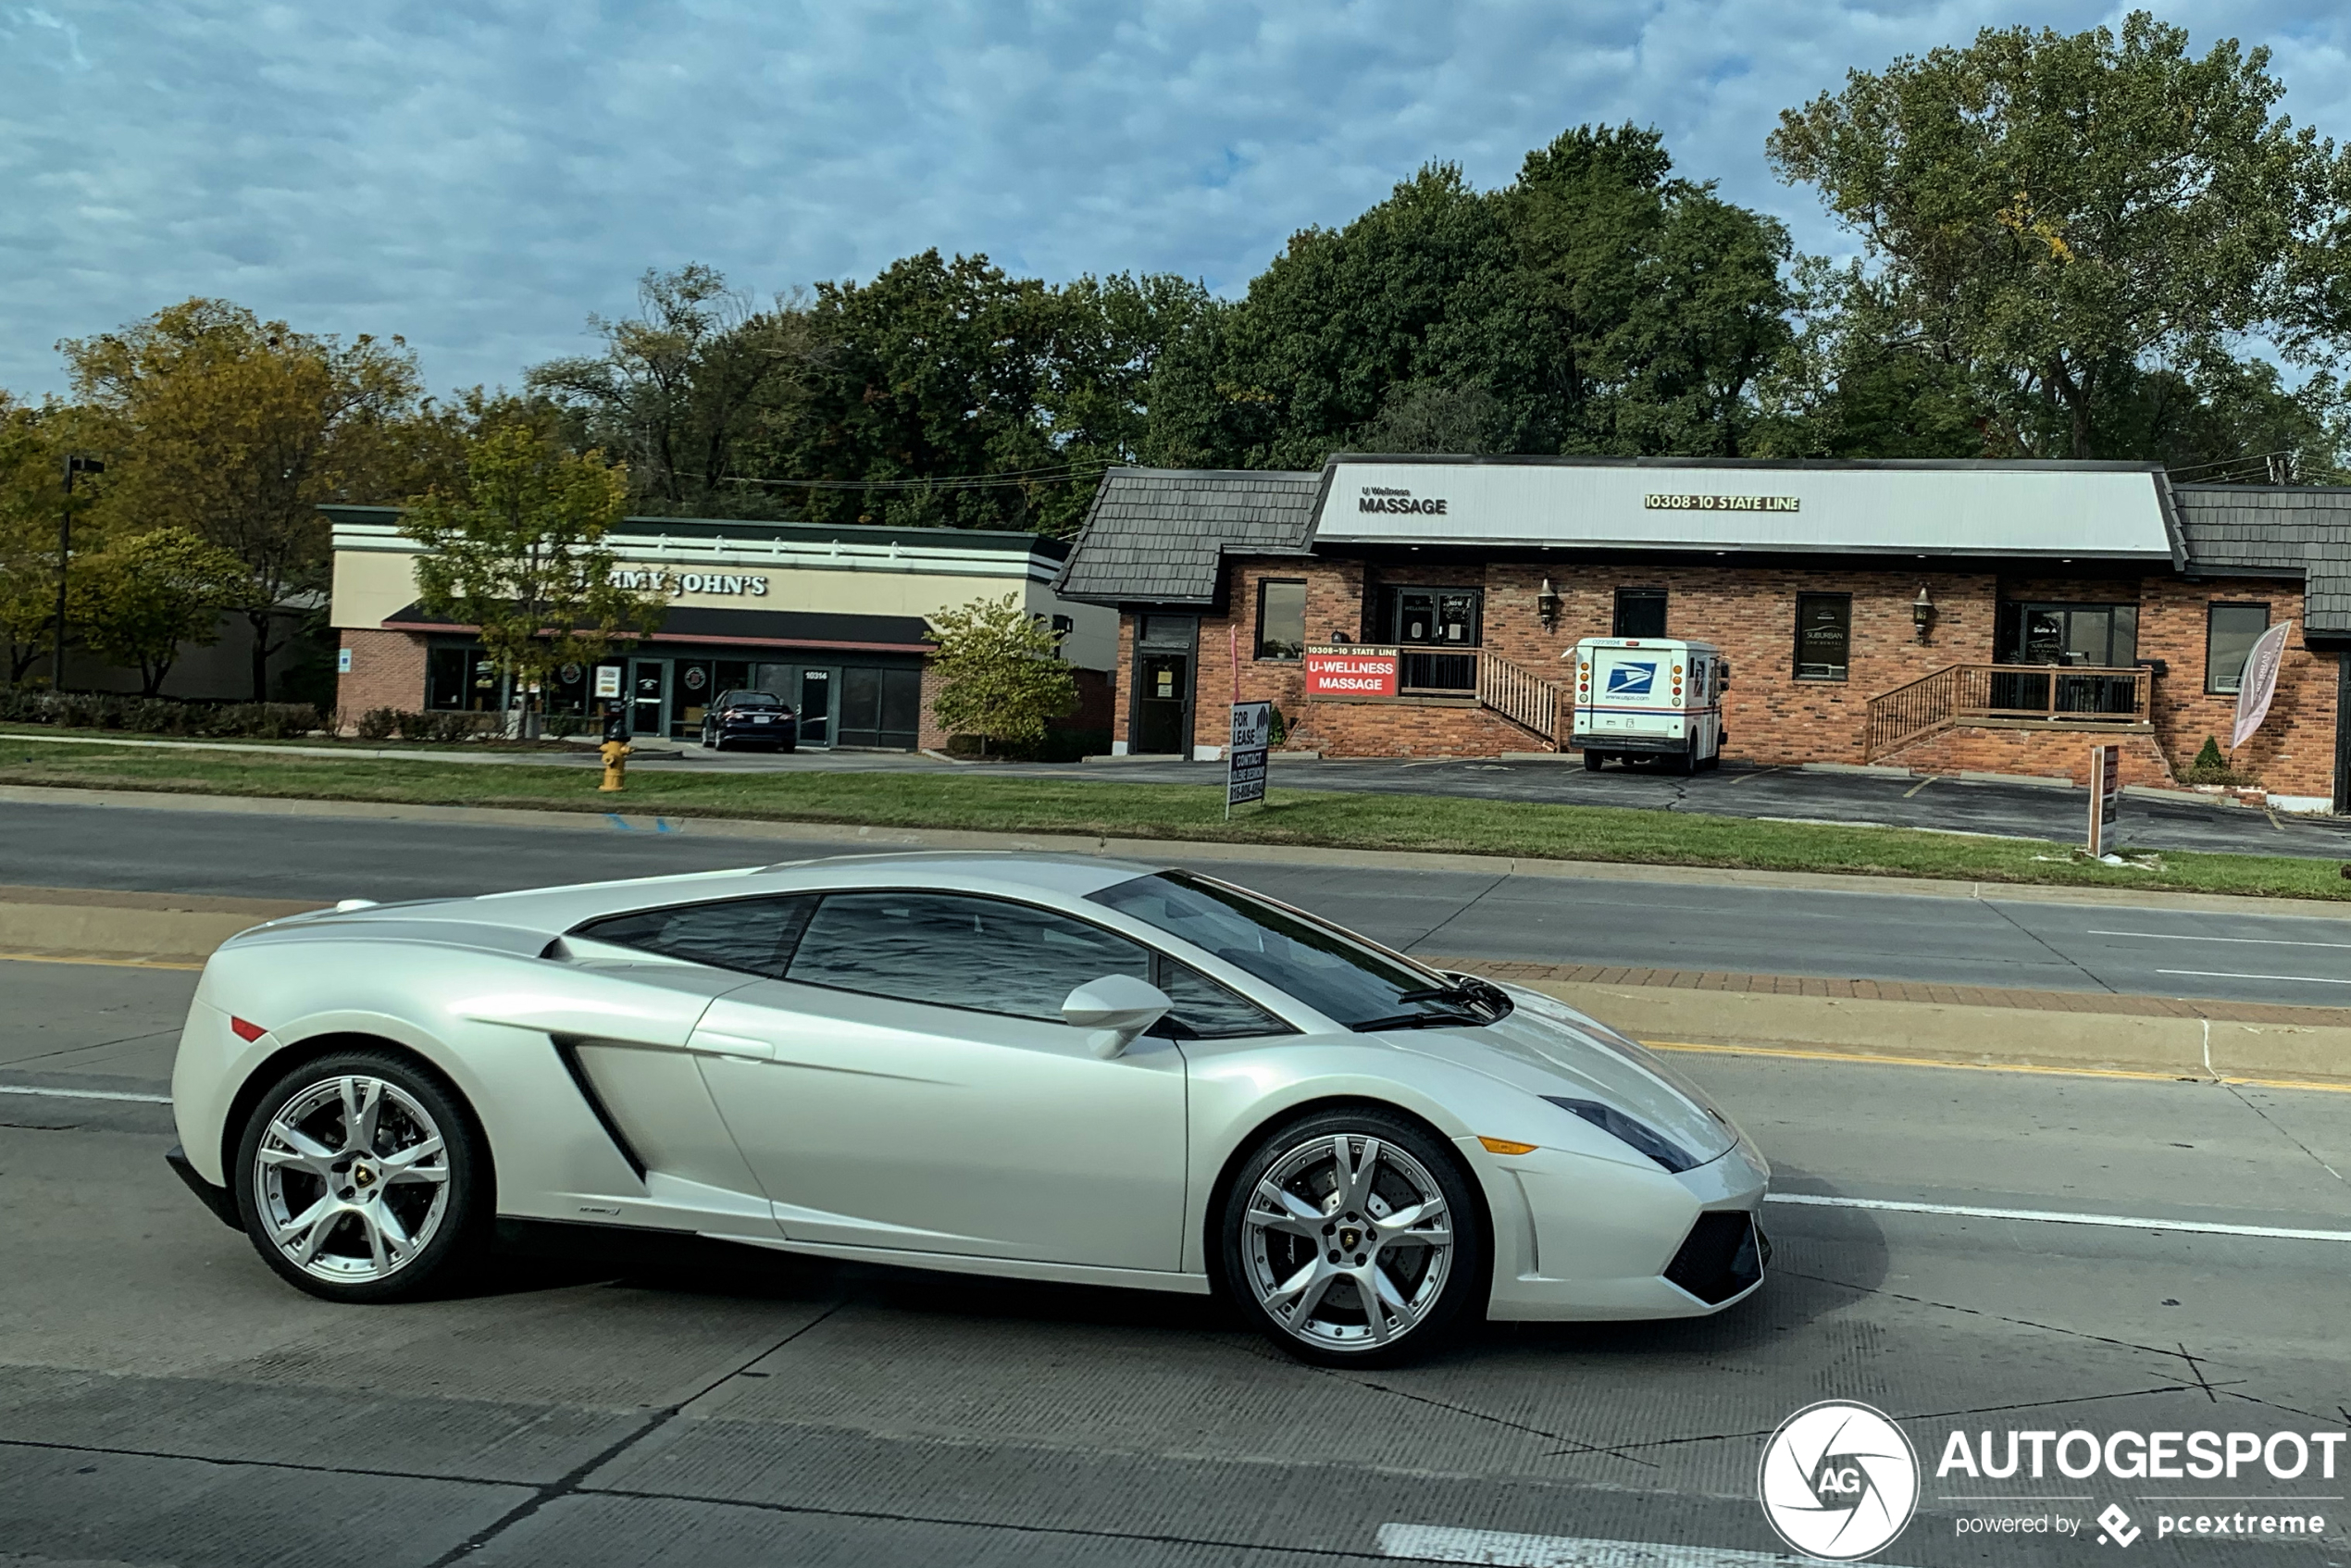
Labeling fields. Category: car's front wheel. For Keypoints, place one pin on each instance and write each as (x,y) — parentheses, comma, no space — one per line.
(1350,1238)
(359,1177)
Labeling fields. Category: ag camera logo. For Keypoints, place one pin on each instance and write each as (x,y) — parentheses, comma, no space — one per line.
(1839,1480)
(1631,681)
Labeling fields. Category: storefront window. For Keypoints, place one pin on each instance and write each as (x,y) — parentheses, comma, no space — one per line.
(460,680)
(2106,636)
(2230,633)
(1824,636)
(1442,617)
(1640,612)
(1281,620)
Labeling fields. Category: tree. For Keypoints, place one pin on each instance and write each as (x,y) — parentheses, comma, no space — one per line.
(236,429)
(1000,672)
(519,552)
(33,451)
(138,601)
(2046,218)
(683,383)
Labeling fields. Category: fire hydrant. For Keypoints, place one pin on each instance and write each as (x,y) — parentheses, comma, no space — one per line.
(615,755)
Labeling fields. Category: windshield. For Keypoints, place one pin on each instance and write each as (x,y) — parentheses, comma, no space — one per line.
(1343,976)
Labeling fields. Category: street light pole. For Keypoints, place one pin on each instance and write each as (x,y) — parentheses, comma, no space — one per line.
(75,463)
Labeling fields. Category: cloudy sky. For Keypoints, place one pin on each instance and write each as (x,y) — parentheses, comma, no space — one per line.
(479,178)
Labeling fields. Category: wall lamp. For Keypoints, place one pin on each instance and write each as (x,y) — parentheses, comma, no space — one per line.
(1547,606)
(1923,614)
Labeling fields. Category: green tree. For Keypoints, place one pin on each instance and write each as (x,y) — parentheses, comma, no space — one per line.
(1000,672)
(519,552)
(236,429)
(33,449)
(141,599)
(2047,219)
(682,384)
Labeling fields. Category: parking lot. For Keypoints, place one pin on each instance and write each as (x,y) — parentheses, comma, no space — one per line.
(164,1398)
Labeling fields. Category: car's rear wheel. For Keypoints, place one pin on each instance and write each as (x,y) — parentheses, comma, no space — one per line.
(1350,1238)
(359,1177)
(1593,759)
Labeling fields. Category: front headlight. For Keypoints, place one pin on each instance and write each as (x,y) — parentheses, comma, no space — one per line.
(1625,1130)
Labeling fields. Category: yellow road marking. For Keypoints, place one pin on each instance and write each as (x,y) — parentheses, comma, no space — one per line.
(1793,1054)
(109,963)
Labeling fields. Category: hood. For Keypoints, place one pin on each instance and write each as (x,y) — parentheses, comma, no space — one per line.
(1546,1047)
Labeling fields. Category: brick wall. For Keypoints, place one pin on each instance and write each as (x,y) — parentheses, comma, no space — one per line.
(387,671)
(2034,752)
(1770,716)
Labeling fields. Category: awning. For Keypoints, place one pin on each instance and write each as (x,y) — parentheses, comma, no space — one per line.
(744,628)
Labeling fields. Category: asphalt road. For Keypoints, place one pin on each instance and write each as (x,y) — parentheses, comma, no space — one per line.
(164,1398)
(1984,942)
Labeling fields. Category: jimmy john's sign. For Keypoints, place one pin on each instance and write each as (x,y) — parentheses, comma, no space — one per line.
(729,584)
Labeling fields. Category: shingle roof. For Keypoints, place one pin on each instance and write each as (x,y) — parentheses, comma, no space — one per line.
(1155,535)
(2292,532)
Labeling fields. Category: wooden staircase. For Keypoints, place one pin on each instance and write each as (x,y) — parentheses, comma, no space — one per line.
(1958,694)
(1530,700)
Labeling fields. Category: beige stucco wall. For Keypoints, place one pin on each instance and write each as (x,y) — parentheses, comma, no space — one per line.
(371,584)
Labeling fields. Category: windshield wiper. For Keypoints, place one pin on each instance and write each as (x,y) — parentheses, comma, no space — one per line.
(1440,1019)
(1481,995)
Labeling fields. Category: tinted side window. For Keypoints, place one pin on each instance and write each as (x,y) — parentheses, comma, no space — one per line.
(752,935)
(957,952)
(1205,1010)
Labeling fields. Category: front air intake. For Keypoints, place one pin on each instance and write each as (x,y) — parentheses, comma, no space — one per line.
(1722,1256)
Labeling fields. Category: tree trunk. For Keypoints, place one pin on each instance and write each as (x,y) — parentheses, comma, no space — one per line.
(262,649)
(506,700)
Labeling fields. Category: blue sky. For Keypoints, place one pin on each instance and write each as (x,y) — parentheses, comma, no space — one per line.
(479,178)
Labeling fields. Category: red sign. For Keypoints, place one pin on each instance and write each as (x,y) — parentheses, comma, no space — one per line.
(1350,669)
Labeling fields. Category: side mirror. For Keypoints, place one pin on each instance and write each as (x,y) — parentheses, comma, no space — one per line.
(1118,1007)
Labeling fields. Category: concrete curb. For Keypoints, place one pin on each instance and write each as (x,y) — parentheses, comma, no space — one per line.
(1161,850)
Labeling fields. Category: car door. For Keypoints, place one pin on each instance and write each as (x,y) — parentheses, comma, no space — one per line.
(909,1085)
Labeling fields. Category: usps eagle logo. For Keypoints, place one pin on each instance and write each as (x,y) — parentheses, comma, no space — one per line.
(1631,681)
(1839,1480)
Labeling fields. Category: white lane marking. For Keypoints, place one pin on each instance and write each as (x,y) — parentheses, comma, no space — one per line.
(1443,1543)
(2192,937)
(2051,1217)
(86,1094)
(2232,974)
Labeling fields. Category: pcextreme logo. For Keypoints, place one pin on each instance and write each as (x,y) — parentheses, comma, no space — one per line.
(1839,1480)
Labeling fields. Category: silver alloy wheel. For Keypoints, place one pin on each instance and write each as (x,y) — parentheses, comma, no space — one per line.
(352,1178)
(1347,1241)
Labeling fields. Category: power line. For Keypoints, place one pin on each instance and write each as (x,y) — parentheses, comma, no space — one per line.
(1006,478)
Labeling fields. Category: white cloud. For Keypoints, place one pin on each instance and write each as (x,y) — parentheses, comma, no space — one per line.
(480,178)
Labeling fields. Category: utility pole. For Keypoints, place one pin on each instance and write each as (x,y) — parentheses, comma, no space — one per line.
(75,463)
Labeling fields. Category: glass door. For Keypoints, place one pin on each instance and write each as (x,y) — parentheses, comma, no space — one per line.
(814,703)
(1162,690)
(649,697)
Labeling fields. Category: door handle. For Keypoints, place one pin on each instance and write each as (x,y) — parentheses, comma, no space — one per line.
(712,1042)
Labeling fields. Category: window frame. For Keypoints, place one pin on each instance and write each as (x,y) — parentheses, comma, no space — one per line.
(1259,655)
(1844,671)
(2210,607)
(1664,598)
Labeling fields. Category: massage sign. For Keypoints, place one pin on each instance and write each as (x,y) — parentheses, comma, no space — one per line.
(1350,669)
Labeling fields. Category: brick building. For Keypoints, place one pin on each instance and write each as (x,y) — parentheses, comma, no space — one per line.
(832,619)
(1940,616)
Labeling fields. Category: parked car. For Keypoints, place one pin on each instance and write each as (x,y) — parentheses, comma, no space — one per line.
(1038,1067)
(750,718)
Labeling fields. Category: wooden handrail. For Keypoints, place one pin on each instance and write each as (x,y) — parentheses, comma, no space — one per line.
(1519,694)
(1957,693)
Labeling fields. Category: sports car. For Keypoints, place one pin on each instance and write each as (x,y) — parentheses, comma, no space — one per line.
(1031,1065)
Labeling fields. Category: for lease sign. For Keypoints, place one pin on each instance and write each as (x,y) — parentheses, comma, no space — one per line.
(1350,669)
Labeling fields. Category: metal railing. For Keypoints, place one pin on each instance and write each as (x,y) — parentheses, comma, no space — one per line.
(1958,692)
(1448,674)
(1520,695)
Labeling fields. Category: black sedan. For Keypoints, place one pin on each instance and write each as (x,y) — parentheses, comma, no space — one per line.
(750,718)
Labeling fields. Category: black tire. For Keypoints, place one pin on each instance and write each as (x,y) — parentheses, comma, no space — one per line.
(1593,759)
(715,743)
(1457,1293)
(452,1224)
(789,746)
(1683,762)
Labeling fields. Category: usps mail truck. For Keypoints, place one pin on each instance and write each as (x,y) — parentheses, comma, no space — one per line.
(1649,697)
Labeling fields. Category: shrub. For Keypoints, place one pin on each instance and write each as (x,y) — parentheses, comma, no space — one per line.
(376,724)
(410,725)
(2210,766)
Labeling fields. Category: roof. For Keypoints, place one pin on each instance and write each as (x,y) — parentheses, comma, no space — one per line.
(854,536)
(1157,535)
(2276,531)
(755,628)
